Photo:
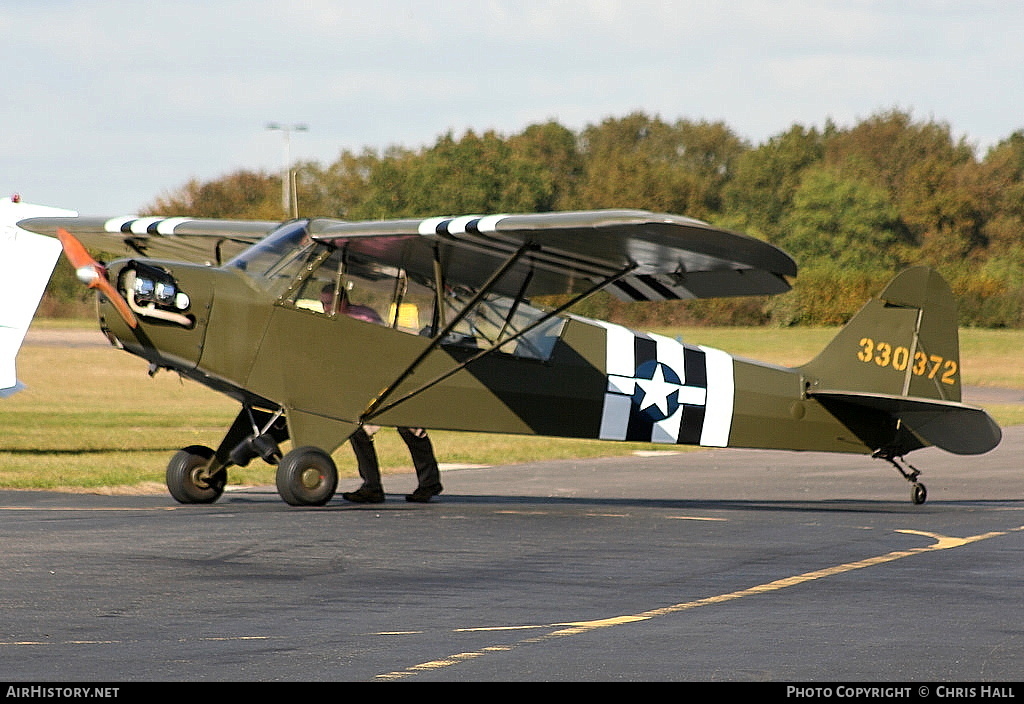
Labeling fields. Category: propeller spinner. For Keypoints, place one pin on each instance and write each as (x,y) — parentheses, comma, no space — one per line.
(93,274)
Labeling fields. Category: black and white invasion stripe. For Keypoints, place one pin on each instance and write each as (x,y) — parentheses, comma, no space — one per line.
(660,390)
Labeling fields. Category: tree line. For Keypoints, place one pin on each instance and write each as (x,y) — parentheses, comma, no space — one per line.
(853,205)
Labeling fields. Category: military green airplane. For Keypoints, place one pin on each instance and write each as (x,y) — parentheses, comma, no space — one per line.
(316,326)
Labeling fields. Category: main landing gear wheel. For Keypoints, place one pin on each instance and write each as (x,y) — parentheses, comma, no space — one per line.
(307,476)
(184,476)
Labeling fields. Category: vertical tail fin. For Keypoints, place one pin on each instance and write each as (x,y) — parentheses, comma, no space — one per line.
(892,375)
(905,342)
(28,261)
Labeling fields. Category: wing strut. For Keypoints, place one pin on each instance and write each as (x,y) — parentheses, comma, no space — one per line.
(377,406)
(372,408)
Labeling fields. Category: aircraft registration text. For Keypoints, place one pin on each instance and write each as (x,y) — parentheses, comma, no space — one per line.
(886,355)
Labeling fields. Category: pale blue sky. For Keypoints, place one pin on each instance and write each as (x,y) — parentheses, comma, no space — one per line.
(109,103)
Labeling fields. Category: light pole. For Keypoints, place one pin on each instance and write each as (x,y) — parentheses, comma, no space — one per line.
(288,201)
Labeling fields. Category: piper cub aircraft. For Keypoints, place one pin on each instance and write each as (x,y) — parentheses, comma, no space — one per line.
(316,326)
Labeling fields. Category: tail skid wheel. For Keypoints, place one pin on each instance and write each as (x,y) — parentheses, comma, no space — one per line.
(307,476)
(918,494)
(184,476)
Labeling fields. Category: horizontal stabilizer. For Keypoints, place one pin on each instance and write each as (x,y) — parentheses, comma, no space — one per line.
(949,425)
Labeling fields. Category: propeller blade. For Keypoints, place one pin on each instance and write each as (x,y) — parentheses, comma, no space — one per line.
(92,274)
(117,299)
(75,251)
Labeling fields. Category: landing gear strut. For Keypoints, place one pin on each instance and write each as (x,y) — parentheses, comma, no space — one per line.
(198,474)
(918,492)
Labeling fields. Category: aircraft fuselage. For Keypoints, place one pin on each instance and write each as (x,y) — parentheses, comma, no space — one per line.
(599,380)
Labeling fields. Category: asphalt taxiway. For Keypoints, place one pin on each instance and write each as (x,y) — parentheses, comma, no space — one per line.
(707,565)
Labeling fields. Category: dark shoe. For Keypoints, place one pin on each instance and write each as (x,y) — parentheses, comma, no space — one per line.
(364,496)
(422,496)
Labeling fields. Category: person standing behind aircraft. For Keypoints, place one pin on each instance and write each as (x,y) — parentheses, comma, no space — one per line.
(428,474)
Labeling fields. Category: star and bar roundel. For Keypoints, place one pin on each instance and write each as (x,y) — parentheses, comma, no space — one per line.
(662,391)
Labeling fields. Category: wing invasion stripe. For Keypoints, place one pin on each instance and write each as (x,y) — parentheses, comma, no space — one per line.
(144,226)
(117,224)
(166,227)
(663,291)
(481,233)
(629,291)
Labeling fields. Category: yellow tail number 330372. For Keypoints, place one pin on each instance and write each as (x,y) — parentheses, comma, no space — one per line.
(886,355)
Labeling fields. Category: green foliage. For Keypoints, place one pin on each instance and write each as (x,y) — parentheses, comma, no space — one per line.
(826,294)
(243,194)
(851,205)
(841,221)
(643,162)
(761,193)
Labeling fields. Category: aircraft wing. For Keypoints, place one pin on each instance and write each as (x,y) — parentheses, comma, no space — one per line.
(952,426)
(667,257)
(201,241)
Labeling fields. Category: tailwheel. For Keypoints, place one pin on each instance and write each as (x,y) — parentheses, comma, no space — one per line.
(187,480)
(918,492)
(307,476)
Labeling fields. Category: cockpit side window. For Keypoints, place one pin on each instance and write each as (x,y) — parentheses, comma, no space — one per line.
(344,283)
(498,318)
(334,281)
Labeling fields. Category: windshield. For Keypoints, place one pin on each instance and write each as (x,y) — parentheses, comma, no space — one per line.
(270,253)
(275,260)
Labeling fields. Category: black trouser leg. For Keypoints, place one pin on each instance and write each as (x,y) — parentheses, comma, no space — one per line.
(428,476)
(366,458)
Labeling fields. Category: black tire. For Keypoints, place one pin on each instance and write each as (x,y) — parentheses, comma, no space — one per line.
(918,494)
(307,476)
(183,476)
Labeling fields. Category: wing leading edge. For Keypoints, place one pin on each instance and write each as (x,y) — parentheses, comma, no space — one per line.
(196,240)
(666,257)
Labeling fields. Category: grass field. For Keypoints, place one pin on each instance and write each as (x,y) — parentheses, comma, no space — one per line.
(91,419)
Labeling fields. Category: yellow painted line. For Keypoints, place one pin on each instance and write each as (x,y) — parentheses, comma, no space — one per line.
(942,542)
